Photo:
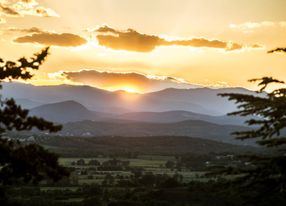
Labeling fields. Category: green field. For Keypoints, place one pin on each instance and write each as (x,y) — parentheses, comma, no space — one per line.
(148,163)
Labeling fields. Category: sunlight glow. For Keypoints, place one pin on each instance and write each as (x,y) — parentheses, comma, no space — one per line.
(129,89)
(126,88)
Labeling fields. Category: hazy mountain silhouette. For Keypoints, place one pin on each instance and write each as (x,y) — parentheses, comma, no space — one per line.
(72,111)
(67,111)
(177,116)
(28,104)
(207,98)
(93,98)
(202,100)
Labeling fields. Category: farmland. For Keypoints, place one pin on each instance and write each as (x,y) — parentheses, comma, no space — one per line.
(135,180)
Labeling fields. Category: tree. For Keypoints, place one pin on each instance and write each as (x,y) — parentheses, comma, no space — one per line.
(19,162)
(269,111)
(265,179)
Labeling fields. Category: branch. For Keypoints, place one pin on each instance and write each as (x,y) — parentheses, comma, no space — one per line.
(265,81)
(12,116)
(22,68)
(279,49)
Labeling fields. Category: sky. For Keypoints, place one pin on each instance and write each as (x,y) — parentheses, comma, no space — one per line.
(147,45)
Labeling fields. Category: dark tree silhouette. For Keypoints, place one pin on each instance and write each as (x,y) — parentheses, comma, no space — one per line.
(265,177)
(269,110)
(280,49)
(20,162)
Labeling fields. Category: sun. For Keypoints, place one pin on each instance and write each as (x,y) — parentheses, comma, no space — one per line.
(132,89)
(129,89)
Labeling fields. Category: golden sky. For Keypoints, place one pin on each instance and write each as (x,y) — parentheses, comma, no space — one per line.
(147,45)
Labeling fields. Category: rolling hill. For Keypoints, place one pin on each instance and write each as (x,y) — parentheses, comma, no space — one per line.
(67,111)
(161,145)
(191,128)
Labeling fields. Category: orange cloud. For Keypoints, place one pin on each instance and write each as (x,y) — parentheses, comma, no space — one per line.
(132,40)
(9,11)
(50,38)
(22,8)
(23,30)
(118,80)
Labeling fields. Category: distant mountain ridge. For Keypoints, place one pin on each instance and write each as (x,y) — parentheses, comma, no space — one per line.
(28,104)
(177,116)
(67,111)
(78,121)
(72,111)
(88,111)
(199,100)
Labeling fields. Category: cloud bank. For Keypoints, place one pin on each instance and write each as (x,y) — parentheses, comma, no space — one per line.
(117,80)
(132,40)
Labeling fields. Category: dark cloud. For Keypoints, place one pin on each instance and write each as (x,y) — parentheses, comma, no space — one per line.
(49,39)
(117,80)
(132,40)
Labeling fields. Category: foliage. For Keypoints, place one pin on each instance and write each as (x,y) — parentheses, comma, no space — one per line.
(27,163)
(280,49)
(18,162)
(22,68)
(265,177)
(268,110)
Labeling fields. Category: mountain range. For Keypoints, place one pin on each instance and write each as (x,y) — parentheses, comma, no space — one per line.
(197,100)
(71,111)
(91,112)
